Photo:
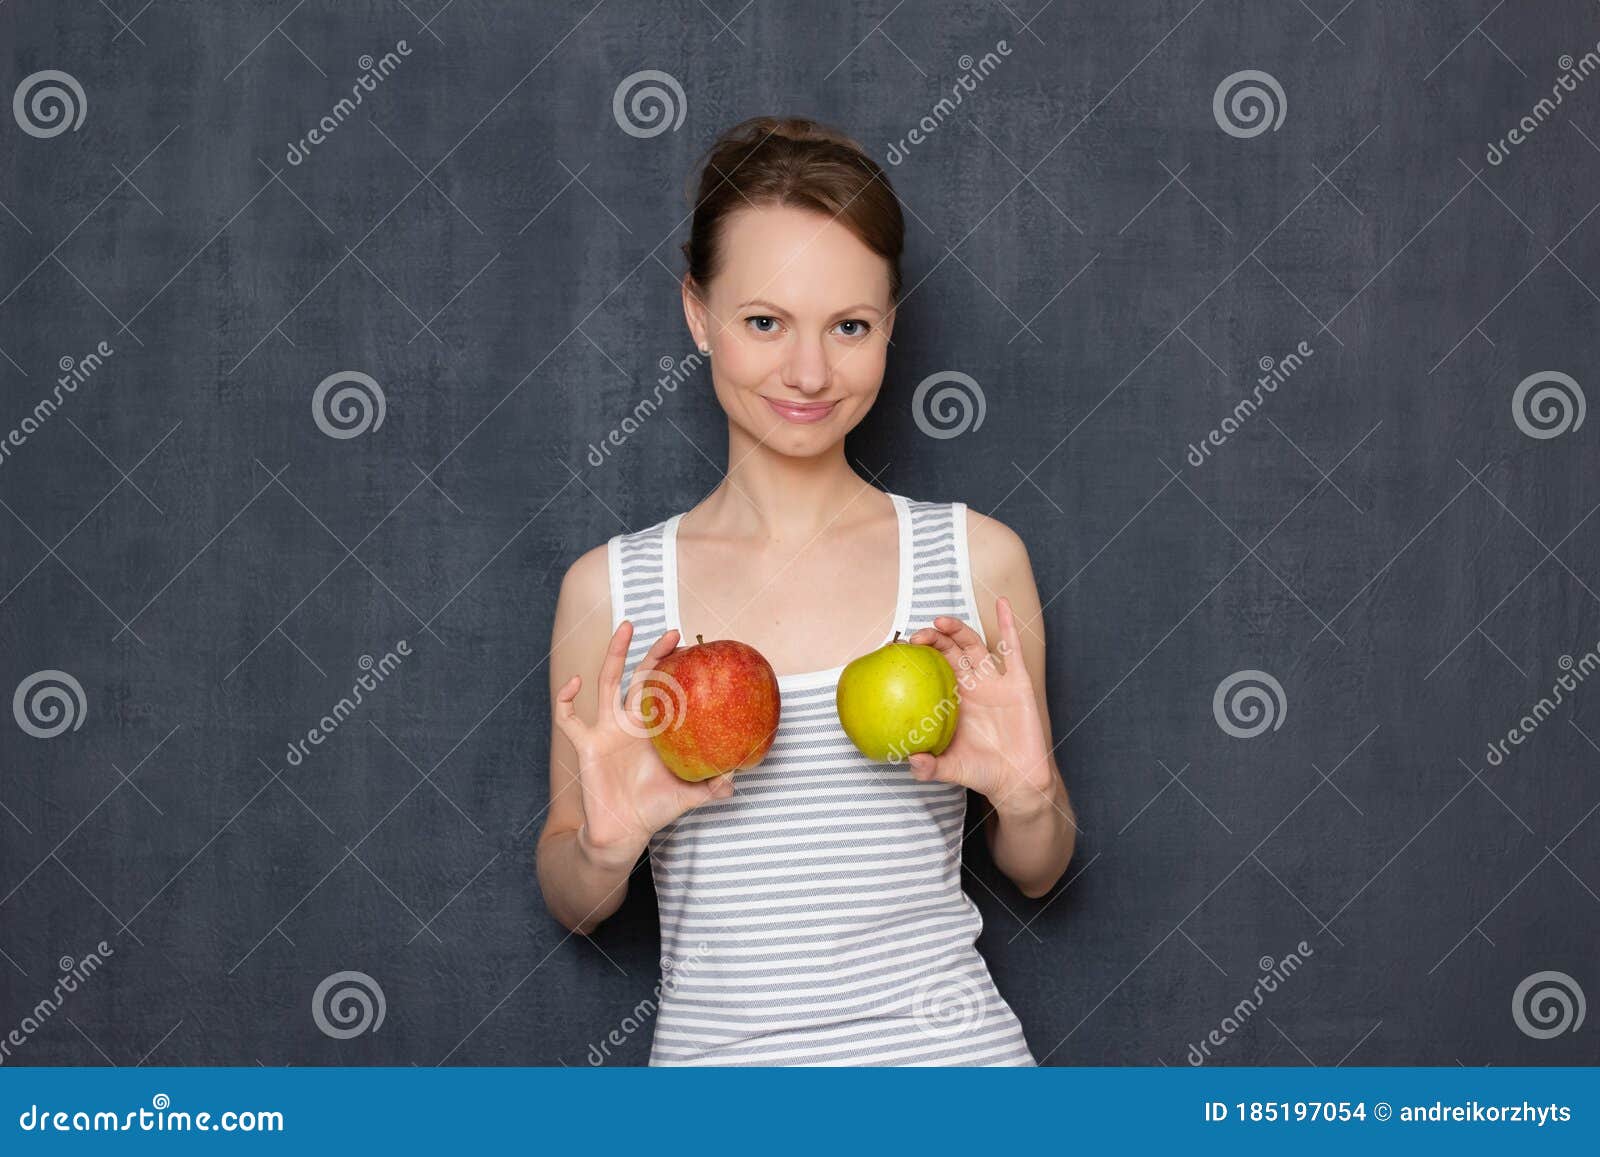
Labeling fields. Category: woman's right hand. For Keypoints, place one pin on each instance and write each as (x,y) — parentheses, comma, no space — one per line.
(628,794)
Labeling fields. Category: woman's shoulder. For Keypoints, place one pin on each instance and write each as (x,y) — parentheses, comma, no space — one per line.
(589,575)
(989,540)
(640,536)
(998,560)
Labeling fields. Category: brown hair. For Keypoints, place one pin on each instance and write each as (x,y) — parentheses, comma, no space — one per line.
(796,162)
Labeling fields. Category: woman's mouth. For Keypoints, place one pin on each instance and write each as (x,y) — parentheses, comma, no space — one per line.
(800,411)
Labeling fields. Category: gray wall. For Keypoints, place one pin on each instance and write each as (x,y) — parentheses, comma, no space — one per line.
(1383,536)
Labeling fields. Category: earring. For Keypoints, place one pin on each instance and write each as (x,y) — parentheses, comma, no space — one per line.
(705,349)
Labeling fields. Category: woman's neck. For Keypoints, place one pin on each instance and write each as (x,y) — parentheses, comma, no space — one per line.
(784,499)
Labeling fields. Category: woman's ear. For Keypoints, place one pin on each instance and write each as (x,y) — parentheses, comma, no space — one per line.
(696,313)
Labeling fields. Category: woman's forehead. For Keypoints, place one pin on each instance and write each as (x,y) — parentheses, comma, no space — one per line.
(798,259)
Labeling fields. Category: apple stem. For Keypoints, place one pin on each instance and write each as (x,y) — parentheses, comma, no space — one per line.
(896,638)
(700,638)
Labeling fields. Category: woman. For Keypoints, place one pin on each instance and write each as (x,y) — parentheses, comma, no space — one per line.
(811,908)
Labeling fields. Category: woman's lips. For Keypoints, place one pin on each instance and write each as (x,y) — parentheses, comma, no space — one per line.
(803,412)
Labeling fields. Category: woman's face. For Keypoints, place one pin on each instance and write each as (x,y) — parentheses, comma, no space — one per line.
(798,320)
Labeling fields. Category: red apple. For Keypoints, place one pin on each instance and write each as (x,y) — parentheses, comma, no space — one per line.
(711,708)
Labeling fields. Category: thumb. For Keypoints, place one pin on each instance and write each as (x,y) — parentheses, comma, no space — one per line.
(924,767)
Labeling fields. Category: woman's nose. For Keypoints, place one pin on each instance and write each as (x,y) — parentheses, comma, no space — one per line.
(806,367)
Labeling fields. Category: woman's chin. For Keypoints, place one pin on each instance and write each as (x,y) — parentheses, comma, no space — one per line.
(802,442)
(792,440)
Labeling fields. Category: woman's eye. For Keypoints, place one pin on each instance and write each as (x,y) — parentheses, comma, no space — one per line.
(860,329)
(762,323)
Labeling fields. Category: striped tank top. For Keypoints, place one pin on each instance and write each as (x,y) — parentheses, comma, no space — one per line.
(816,916)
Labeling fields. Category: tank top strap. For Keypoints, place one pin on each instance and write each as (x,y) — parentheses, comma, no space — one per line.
(939,575)
(639,589)
(941,571)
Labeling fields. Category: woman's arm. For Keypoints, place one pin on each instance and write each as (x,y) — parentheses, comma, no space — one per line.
(581,885)
(1031,828)
(609,791)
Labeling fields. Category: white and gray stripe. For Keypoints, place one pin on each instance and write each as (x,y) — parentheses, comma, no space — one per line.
(816,917)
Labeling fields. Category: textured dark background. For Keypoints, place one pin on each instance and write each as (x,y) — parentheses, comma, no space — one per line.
(485,241)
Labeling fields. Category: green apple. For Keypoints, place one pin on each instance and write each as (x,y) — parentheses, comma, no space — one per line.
(898,700)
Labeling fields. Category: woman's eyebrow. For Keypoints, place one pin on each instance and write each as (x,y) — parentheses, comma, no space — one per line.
(860,307)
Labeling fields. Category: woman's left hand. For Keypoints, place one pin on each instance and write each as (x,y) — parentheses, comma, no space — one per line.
(998,749)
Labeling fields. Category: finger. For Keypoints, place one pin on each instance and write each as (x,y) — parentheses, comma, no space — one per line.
(568,691)
(940,641)
(927,768)
(1009,635)
(963,636)
(616,658)
(566,714)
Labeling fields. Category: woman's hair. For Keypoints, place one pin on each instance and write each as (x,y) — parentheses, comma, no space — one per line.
(795,162)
